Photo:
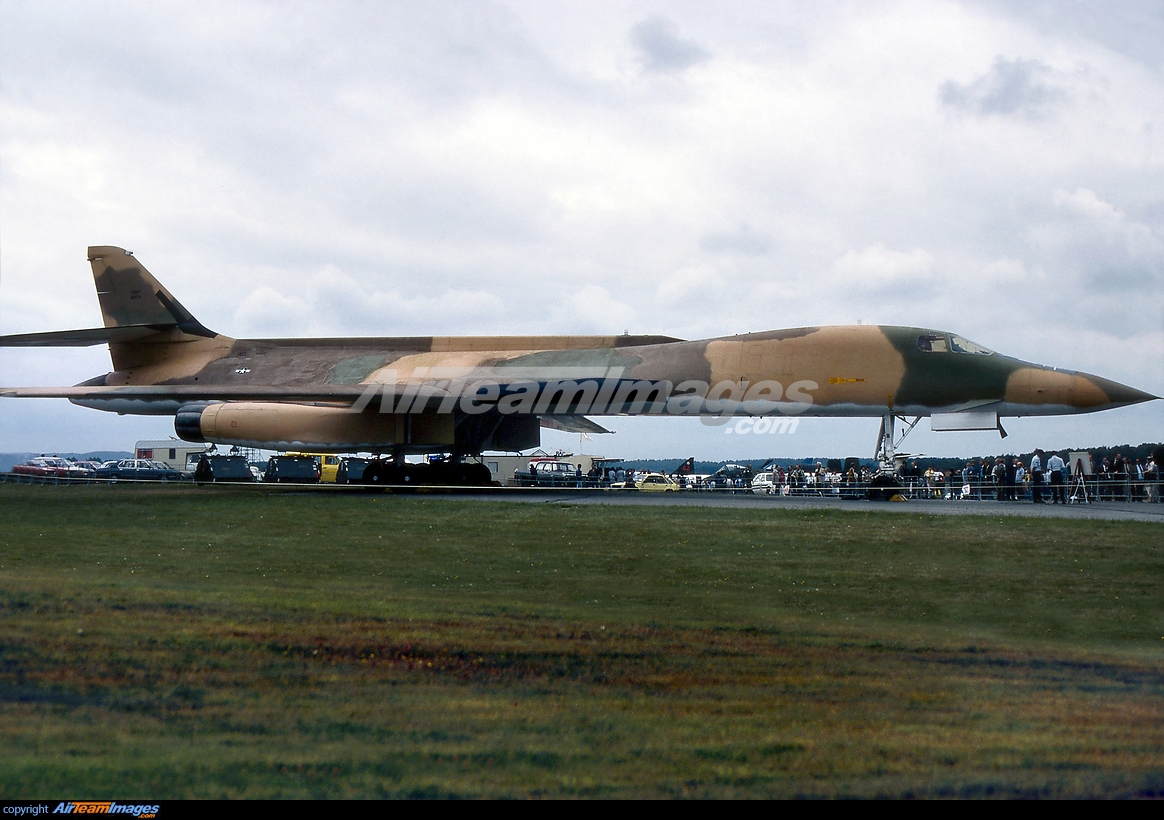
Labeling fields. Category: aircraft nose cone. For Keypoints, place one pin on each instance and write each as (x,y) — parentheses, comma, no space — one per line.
(1118,395)
(1045,386)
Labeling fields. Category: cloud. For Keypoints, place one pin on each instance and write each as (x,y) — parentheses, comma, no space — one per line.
(660,48)
(1086,203)
(687,287)
(1011,87)
(332,303)
(880,267)
(266,312)
(1107,252)
(743,240)
(598,312)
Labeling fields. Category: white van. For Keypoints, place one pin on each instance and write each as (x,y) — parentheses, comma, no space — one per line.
(764,483)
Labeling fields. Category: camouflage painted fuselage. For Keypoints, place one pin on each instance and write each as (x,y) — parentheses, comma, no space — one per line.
(166,362)
(861,370)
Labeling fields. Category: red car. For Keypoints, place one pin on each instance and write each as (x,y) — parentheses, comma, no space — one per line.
(51,467)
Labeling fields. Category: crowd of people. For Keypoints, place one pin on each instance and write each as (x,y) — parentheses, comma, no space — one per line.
(1046,478)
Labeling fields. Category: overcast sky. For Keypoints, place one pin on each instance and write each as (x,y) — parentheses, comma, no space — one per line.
(691,169)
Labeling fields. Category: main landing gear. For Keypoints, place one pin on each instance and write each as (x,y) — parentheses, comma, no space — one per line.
(435,474)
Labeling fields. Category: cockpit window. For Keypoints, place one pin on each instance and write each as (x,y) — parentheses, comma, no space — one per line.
(941,343)
(961,345)
(933,343)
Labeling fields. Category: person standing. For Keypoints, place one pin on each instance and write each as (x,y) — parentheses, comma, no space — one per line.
(1119,469)
(1137,478)
(1037,477)
(1000,481)
(981,478)
(1055,465)
(1158,463)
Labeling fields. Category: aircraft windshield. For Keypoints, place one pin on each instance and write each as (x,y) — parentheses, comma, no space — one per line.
(961,345)
(941,343)
(933,343)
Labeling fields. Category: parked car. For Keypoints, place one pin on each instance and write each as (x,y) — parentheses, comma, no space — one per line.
(765,483)
(51,467)
(223,468)
(549,473)
(137,469)
(657,483)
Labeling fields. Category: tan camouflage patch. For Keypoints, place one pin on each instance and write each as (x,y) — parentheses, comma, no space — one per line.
(1033,386)
(849,364)
(454,364)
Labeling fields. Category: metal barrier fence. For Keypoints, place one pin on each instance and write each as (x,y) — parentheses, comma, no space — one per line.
(1089,489)
(1079,490)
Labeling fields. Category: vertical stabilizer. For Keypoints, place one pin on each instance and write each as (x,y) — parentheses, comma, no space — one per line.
(130,295)
(132,298)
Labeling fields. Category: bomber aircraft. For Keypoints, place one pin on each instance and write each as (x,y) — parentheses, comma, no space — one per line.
(460,396)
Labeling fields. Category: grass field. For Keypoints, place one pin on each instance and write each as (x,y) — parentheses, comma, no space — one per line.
(166,642)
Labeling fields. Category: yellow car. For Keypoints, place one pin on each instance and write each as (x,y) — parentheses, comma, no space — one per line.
(325,464)
(656,483)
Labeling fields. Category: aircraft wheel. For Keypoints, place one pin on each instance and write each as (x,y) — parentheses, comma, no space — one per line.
(393,474)
(438,473)
(460,475)
(470,475)
(479,475)
(883,487)
(415,475)
(379,472)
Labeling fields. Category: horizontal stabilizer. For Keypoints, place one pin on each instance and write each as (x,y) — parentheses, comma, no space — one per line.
(83,338)
(572,424)
(324,393)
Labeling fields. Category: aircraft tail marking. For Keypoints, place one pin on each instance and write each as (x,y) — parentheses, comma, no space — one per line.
(131,297)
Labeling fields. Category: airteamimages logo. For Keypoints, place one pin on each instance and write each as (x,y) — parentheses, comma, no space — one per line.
(591,391)
(106,807)
(763,426)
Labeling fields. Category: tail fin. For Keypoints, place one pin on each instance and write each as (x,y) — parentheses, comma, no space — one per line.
(131,296)
(132,301)
(151,337)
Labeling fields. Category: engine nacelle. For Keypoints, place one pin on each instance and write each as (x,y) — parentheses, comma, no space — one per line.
(311,428)
(275,426)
